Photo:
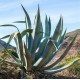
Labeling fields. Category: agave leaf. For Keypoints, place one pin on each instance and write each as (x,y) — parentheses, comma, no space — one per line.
(9,25)
(63,55)
(28,21)
(10,39)
(51,57)
(24,32)
(16,59)
(28,26)
(5,37)
(50,47)
(19,45)
(62,66)
(58,30)
(62,38)
(40,35)
(47,27)
(49,22)
(41,47)
(28,58)
(19,22)
(37,36)
(30,40)
(29,35)
(58,45)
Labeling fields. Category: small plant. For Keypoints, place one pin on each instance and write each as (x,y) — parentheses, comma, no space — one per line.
(75,68)
(40,47)
(5,55)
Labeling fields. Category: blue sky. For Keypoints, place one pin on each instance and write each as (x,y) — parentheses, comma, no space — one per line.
(10,11)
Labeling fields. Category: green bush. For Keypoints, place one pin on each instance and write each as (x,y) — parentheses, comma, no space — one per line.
(75,68)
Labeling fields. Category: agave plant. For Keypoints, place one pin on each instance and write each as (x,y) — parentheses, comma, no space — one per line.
(39,47)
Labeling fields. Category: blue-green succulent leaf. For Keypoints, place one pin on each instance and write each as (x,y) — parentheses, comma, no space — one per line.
(28,21)
(41,47)
(9,25)
(58,48)
(58,30)
(37,35)
(19,45)
(47,27)
(62,66)
(7,36)
(28,57)
(19,22)
(62,38)
(50,47)
(63,55)
(30,40)
(24,32)
(10,39)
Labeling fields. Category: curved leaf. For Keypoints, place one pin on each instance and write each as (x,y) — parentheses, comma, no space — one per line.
(19,45)
(29,35)
(58,30)
(41,47)
(37,36)
(19,22)
(28,21)
(63,55)
(24,32)
(28,57)
(30,40)
(62,66)
(62,38)
(10,38)
(47,27)
(50,47)
(9,25)
(5,37)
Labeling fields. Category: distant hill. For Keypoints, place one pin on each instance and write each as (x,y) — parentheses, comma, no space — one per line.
(76,46)
(4,43)
(70,35)
(73,32)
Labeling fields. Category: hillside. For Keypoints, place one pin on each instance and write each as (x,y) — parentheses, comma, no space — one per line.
(76,47)
(73,33)
(74,51)
(70,35)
